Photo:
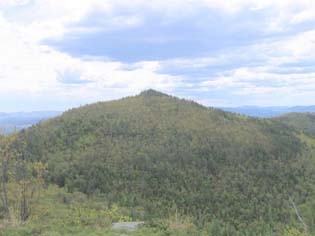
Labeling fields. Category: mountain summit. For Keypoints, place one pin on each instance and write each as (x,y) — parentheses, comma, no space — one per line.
(152,92)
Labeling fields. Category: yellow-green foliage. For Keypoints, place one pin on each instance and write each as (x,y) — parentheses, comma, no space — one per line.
(293,232)
(180,223)
(79,216)
(310,141)
(85,215)
(53,214)
(59,213)
(77,210)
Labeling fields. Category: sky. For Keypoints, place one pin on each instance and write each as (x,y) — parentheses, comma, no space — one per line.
(59,54)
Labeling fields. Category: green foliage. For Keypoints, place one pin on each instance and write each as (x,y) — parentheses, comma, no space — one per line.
(293,232)
(158,155)
(302,121)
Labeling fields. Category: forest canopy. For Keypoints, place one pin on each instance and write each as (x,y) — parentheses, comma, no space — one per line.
(158,156)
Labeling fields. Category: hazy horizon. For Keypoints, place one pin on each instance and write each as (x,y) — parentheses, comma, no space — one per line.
(245,106)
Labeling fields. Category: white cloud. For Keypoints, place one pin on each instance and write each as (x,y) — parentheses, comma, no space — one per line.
(280,71)
(10,3)
(55,16)
(27,66)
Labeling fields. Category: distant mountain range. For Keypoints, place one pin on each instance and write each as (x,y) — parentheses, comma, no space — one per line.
(10,122)
(267,112)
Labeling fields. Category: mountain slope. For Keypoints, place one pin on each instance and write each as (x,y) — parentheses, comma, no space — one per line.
(268,112)
(301,121)
(158,154)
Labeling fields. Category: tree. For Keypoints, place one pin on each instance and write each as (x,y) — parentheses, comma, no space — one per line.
(6,160)
(25,178)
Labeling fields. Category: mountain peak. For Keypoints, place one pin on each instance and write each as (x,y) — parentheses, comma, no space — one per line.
(152,92)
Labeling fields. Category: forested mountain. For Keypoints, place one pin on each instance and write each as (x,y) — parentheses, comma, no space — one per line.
(268,112)
(158,154)
(301,121)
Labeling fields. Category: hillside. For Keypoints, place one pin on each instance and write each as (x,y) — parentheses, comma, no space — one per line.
(158,154)
(301,121)
(268,112)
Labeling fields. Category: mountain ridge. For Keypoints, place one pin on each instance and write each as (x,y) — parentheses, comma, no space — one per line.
(12,121)
(268,112)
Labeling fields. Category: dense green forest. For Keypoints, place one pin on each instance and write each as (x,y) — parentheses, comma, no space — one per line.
(304,122)
(182,168)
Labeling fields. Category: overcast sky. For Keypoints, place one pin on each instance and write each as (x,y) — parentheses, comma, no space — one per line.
(57,54)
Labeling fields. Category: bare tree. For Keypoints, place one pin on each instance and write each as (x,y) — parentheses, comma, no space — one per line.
(300,218)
